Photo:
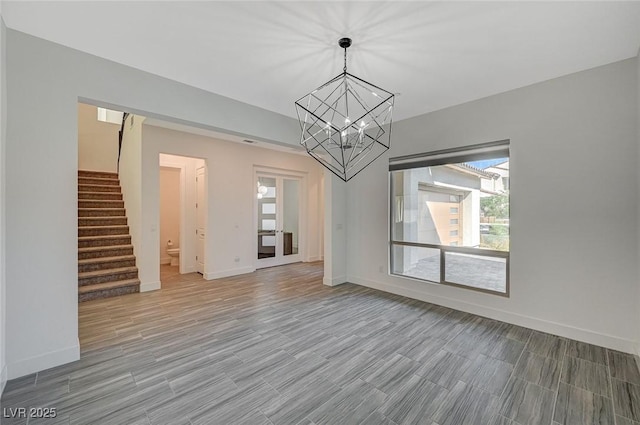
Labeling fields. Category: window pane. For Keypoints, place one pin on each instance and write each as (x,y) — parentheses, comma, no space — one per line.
(418,262)
(268,225)
(269,240)
(462,204)
(476,271)
(268,208)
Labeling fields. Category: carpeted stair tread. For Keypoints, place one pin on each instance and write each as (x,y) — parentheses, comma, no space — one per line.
(108,285)
(103,201)
(106,259)
(98,188)
(120,226)
(106,272)
(104,251)
(103,230)
(102,248)
(101,237)
(102,221)
(100,196)
(98,181)
(101,212)
(102,174)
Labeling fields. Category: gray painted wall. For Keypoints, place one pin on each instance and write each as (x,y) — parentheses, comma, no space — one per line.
(46,81)
(3,139)
(638,134)
(573,256)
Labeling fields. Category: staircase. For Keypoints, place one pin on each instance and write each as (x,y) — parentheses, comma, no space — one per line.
(106,264)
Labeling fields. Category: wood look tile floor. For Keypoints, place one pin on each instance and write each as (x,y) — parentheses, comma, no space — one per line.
(277,347)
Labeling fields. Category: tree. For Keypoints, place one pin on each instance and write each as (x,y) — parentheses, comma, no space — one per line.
(495,206)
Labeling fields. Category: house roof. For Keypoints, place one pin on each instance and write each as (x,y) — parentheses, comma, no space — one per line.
(469,169)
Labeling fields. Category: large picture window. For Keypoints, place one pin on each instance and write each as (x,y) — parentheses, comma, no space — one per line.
(450,217)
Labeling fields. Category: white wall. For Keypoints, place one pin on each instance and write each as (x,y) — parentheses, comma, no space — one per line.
(130,175)
(638,161)
(573,257)
(3,140)
(335,230)
(188,238)
(47,80)
(230,197)
(169,211)
(97,141)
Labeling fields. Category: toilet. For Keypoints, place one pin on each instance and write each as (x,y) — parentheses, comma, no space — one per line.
(174,253)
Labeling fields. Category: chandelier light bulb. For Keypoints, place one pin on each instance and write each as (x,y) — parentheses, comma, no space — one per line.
(263,190)
(259,195)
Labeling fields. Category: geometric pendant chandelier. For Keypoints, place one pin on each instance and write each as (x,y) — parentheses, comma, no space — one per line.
(346,122)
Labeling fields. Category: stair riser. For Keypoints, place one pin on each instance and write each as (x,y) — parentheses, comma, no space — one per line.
(98,174)
(86,188)
(97,231)
(106,265)
(100,196)
(104,212)
(108,293)
(124,240)
(107,278)
(105,182)
(102,221)
(106,252)
(99,203)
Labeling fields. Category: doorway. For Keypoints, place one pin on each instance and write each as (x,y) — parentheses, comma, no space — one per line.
(182,215)
(279,200)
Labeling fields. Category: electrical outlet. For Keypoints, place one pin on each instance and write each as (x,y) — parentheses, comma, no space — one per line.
(381,269)
(237,259)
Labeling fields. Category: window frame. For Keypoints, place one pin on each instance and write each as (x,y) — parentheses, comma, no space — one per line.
(436,158)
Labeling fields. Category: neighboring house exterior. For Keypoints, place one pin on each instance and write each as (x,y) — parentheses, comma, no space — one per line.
(499,181)
(440,206)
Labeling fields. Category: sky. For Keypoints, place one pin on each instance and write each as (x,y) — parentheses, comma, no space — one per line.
(486,163)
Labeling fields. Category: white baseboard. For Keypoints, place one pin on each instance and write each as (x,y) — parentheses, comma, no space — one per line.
(150,286)
(43,361)
(228,273)
(3,378)
(315,258)
(166,260)
(584,335)
(638,356)
(335,281)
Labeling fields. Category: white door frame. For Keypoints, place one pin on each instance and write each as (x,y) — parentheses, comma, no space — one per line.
(302,208)
(205,207)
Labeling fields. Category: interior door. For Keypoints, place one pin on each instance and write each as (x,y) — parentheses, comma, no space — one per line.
(200,219)
(278,215)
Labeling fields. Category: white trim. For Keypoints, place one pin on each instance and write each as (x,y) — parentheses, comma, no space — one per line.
(228,273)
(579,334)
(3,379)
(43,361)
(150,286)
(165,260)
(314,258)
(334,281)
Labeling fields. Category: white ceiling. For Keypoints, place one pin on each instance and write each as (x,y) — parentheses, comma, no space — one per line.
(269,54)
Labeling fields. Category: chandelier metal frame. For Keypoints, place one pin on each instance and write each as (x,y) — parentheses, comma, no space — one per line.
(346,122)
